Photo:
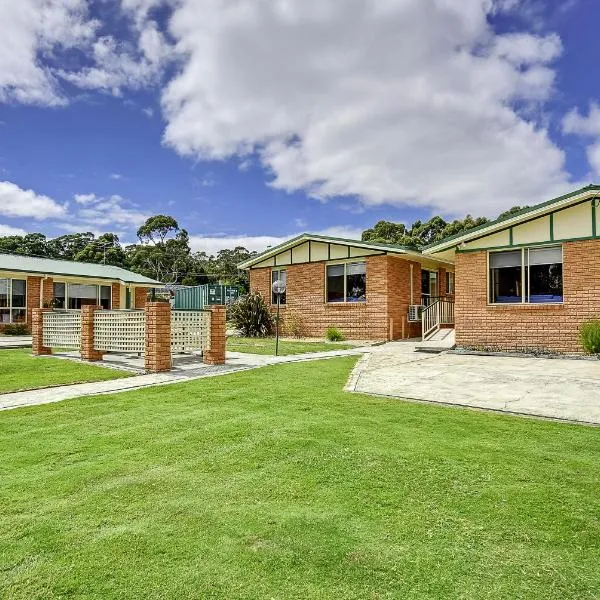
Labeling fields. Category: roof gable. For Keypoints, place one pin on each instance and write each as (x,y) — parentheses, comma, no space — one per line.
(521,217)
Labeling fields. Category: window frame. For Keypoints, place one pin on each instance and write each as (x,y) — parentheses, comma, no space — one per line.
(279,270)
(450,276)
(525,279)
(98,287)
(9,301)
(351,261)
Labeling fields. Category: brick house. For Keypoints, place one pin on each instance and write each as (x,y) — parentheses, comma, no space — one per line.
(365,289)
(528,282)
(28,282)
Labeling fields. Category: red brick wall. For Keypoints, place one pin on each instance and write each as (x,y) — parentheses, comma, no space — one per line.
(34,291)
(116,296)
(528,326)
(383,316)
(141,294)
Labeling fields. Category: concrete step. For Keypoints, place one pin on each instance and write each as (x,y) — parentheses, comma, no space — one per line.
(442,340)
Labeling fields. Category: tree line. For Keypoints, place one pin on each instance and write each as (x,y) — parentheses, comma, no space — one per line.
(163,250)
(420,233)
(163,253)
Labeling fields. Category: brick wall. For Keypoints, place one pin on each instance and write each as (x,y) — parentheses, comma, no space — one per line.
(34,292)
(141,295)
(116,296)
(383,316)
(528,326)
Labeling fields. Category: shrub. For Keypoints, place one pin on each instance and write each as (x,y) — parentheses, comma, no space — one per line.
(589,336)
(250,315)
(333,334)
(293,324)
(16,329)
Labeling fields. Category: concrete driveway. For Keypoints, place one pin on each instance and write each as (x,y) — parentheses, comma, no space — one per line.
(554,388)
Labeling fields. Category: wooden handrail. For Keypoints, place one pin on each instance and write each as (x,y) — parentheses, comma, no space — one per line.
(438,313)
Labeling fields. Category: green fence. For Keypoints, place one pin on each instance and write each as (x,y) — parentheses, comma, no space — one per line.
(197,297)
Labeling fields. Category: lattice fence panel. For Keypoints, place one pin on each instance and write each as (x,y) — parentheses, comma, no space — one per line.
(190,330)
(120,330)
(62,329)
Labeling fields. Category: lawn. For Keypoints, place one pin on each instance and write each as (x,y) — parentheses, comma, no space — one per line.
(286,347)
(21,371)
(274,483)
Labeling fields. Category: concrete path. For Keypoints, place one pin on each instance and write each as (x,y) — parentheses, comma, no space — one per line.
(15,341)
(566,389)
(186,370)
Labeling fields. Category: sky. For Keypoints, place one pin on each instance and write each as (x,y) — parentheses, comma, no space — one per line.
(251,121)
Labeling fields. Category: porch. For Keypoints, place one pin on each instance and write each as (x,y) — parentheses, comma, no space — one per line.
(437,324)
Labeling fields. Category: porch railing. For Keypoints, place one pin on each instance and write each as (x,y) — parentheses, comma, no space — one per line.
(438,313)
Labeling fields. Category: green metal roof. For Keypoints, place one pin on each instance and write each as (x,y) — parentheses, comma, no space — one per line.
(51,266)
(512,219)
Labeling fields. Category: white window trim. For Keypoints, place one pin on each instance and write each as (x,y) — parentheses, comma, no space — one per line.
(10,307)
(345,261)
(98,286)
(523,287)
(450,277)
(277,270)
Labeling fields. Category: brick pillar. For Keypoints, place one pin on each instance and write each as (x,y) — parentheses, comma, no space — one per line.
(442,282)
(140,296)
(37,332)
(157,357)
(34,290)
(218,337)
(116,296)
(47,292)
(86,350)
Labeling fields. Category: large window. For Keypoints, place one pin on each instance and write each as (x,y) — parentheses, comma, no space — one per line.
(530,275)
(278,275)
(75,295)
(13,301)
(347,282)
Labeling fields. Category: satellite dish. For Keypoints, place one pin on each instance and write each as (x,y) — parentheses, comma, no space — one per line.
(278,287)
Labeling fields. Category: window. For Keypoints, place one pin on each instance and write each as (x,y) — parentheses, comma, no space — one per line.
(60,295)
(347,282)
(278,275)
(105,296)
(532,275)
(449,283)
(13,301)
(75,295)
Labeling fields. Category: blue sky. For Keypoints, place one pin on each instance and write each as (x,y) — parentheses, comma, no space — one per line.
(254,120)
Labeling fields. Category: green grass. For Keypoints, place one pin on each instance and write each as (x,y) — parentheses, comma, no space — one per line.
(274,483)
(286,347)
(21,371)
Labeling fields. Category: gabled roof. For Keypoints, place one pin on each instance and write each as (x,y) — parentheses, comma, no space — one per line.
(306,237)
(526,214)
(68,268)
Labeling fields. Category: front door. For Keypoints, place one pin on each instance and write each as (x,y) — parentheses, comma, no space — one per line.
(429,286)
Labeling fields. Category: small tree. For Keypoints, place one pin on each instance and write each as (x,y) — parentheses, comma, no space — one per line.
(251,316)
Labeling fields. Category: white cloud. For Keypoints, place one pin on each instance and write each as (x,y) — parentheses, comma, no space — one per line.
(17,202)
(116,176)
(31,30)
(401,102)
(104,211)
(8,230)
(212,244)
(148,111)
(587,127)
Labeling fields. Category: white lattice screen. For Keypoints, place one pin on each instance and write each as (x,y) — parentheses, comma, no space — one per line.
(190,330)
(62,329)
(119,330)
